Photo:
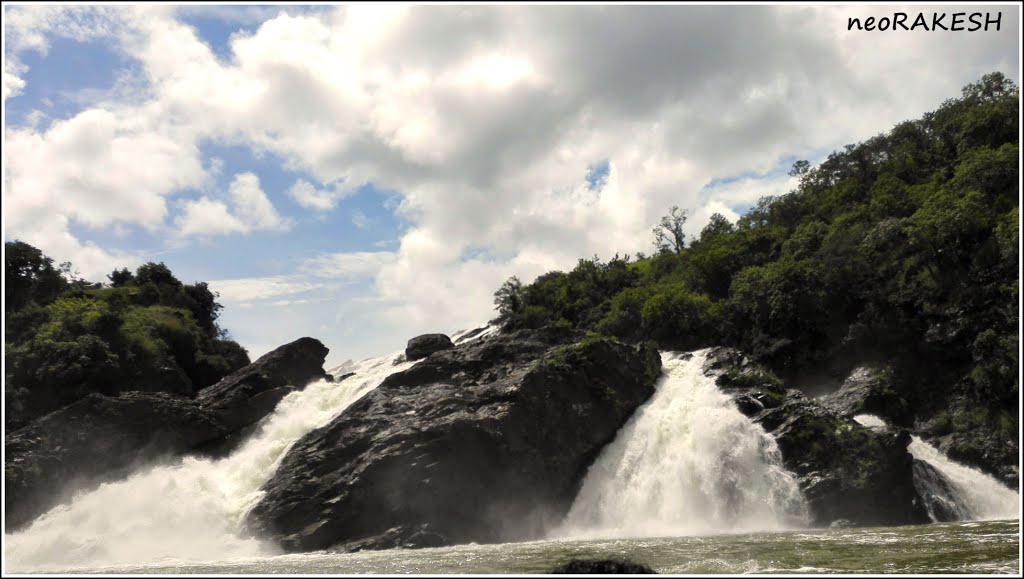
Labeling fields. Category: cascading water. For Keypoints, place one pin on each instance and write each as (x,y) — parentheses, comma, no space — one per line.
(687,462)
(191,510)
(959,492)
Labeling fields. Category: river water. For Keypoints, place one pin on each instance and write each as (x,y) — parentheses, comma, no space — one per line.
(966,547)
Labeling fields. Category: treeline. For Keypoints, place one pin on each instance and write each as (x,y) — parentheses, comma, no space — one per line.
(66,337)
(901,250)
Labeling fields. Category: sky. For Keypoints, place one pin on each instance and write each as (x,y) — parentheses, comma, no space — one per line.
(363,174)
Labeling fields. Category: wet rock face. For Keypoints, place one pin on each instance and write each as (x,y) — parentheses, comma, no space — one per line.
(94,440)
(484,442)
(422,346)
(104,438)
(868,390)
(987,446)
(247,395)
(941,499)
(845,471)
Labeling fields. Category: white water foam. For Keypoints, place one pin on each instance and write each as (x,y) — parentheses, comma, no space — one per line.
(191,510)
(688,462)
(985,497)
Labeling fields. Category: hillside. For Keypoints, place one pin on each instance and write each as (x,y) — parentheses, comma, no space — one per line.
(66,337)
(900,253)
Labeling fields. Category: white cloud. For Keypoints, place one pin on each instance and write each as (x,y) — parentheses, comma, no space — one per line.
(260,288)
(252,205)
(205,217)
(343,265)
(308,196)
(252,211)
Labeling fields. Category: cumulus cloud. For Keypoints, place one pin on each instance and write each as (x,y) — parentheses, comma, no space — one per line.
(251,211)
(252,205)
(485,121)
(307,195)
(204,216)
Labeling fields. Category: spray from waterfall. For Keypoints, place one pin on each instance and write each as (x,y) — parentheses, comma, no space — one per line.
(960,492)
(687,462)
(191,510)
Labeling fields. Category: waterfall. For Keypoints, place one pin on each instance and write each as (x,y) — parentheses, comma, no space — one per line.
(191,510)
(952,491)
(687,462)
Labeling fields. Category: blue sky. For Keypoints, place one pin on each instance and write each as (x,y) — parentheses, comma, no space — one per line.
(363,174)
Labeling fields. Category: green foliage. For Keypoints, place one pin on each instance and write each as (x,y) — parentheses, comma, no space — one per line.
(120,277)
(674,315)
(29,277)
(148,331)
(668,235)
(156,273)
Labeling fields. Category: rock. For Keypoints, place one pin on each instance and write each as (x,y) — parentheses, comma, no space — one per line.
(247,395)
(868,390)
(422,346)
(748,405)
(983,449)
(967,434)
(16,404)
(470,334)
(485,442)
(602,567)
(845,471)
(941,499)
(94,440)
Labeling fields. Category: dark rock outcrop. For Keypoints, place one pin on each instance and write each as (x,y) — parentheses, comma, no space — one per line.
(470,334)
(845,471)
(602,567)
(941,499)
(968,435)
(16,408)
(249,394)
(94,440)
(103,438)
(484,442)
(868,390)
(422,346)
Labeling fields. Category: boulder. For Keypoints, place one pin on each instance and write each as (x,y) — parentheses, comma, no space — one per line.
(602,567)
(422,346)
(941,499)
(102,438)
(94,440)
(16,404)
(247,395)
(485,442)
(968,434)
(846,471)
(985,449)
(868,390)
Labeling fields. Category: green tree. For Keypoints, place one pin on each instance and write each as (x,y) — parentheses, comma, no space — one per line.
(120,277)
(29,277)
(668,234)
(509,300)
(157,273)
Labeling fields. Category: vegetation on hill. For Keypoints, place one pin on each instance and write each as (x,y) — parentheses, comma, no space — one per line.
(901,251)
(66,337)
